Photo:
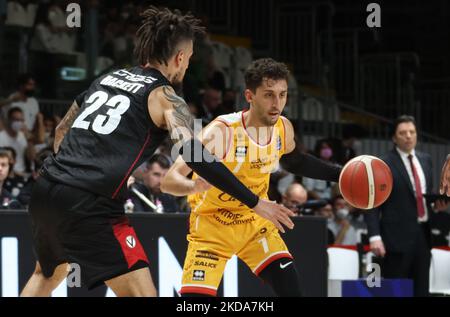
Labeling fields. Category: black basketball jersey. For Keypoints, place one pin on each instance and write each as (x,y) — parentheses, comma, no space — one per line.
(112,134)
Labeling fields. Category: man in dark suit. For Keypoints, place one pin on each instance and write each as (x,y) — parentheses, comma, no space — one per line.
(399,229)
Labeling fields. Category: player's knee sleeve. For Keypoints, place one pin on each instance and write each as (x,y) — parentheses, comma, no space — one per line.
(283,277)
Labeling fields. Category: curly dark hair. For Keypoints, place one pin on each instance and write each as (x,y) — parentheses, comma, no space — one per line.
(264,68)
(160,33)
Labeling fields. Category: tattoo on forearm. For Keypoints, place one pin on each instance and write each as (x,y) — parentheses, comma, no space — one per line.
(65,125)
(180,117)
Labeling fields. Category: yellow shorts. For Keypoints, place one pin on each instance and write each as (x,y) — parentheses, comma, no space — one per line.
(212,244)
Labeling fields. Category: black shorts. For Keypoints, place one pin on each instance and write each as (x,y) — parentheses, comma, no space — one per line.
(74,226)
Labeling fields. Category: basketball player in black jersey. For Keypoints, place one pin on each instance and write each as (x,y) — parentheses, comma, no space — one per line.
(77,202)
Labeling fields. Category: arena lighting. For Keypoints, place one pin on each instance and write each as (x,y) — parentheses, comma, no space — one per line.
(73,73)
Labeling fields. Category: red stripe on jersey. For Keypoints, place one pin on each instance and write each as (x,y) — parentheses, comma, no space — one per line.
(198,290)
(129,243)
(132,166)
(229,140)
(284,133)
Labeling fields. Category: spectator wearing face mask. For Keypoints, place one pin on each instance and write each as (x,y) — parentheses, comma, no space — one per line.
(354,215)
(13,136)
(344,232)
(356,218)
(319,189)
(24,100)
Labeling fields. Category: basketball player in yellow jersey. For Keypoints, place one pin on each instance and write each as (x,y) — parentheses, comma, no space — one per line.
(250,144)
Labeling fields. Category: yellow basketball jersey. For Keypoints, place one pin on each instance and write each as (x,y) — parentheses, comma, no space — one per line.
(250,162)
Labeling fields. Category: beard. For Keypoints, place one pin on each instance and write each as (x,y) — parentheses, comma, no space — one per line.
(269,121)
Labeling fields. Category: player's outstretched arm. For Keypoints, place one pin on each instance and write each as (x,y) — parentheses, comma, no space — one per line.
(174,115)
(304,164)
(444,186)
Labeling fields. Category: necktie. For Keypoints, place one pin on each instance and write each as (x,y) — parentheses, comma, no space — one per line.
(419,196)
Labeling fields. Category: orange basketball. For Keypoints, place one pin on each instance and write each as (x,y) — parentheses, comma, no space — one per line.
(365,182)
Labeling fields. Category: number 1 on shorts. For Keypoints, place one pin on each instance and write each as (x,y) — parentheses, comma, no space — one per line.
(264,244)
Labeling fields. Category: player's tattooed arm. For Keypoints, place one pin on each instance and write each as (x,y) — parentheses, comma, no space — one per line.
(179,121)
(215,138)
(65,125)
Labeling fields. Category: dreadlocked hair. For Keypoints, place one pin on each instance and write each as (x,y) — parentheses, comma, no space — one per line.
(161,32)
